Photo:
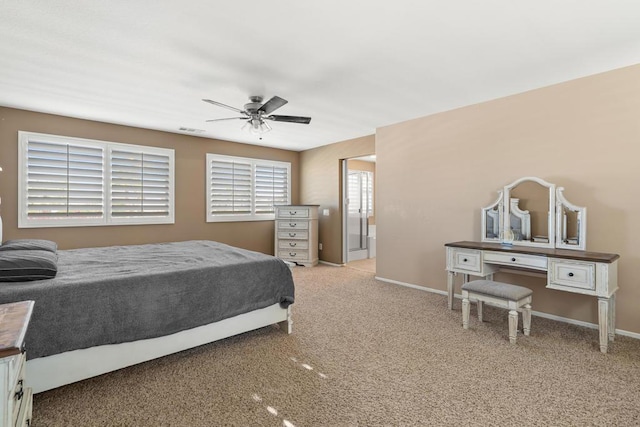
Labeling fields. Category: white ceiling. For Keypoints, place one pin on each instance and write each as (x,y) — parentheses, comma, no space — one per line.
(352,65)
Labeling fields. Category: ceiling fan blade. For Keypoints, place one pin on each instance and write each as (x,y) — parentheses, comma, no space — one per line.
(220,104)
(272,105)
(290,119)
(228,118)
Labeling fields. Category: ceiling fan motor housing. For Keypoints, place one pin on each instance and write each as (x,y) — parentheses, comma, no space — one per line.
(254,105)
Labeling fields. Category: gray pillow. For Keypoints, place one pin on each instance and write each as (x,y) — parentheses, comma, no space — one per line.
(29,245)
(26,265)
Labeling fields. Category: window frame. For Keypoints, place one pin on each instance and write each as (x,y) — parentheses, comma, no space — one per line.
(253,216)
(106,219)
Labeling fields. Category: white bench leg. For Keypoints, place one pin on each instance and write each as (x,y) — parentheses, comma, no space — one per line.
(465,312)
(513,326)
(479,306)
(526,319)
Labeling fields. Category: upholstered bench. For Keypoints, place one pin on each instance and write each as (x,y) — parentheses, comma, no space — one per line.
(505,295)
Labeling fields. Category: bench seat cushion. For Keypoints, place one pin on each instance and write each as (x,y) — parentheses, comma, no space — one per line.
(497,289)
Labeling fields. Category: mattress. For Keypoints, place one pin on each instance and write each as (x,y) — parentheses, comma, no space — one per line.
(119,294)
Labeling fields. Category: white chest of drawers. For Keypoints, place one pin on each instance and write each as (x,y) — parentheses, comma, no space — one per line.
(296,238)
(15,399)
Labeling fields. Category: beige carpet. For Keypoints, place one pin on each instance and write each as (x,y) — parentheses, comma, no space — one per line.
(368,264)
(367,353)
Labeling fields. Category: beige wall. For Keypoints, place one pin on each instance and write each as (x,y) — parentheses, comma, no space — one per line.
(190,220)
(361,165)
(320,185)
(436,172)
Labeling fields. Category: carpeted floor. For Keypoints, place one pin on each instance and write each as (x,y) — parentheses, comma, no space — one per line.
(367,353)
(368,264)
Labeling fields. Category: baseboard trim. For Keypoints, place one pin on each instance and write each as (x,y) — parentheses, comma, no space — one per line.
(533,312)
(331,263)
(411,285)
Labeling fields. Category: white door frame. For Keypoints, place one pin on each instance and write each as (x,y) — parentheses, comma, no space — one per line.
(344,205)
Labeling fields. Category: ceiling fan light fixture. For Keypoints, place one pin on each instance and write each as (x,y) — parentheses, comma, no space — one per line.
(256,126)
(264,127)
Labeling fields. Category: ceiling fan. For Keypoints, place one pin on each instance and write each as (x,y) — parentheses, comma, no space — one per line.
(256,113)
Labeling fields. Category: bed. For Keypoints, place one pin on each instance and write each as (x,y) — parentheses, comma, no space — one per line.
(109,308)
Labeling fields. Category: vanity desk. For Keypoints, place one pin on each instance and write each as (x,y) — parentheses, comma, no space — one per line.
(550,240)
(589,273)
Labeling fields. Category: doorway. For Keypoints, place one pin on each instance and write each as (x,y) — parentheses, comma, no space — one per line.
(358,213)
(359,207)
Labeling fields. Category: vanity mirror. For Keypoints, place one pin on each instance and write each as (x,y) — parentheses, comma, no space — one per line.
(533,212)
(491,220)
(519,221)
(571,224)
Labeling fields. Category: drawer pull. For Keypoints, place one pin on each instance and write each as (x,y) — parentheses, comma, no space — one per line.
(292,244)
(292,225)
(570,274)
(513,259)
(292,254)
(293,213)
(20,392)
(464,260)
(292,234)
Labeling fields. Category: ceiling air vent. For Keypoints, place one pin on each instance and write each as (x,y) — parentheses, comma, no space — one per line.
(191,130)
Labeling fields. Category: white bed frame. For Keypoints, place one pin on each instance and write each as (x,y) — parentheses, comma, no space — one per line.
(46,373)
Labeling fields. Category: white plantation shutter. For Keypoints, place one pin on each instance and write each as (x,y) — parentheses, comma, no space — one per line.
(243,189)
(140,184)
(272,187)
(64,181)
(230,188)
(355,195)
(369,193)
(361,192)
(69,182)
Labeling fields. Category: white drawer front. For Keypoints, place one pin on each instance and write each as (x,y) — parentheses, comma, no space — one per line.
(293,225)
(293,244)
(293,254)
(18,388)
(293,212)
(467,259)
(16,371)
(24,413)
(293,234)
(572,274)
(517,260)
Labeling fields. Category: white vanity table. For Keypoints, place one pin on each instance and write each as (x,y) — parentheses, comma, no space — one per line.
(557,250)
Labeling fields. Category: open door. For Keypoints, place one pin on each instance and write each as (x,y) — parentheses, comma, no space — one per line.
(357,210)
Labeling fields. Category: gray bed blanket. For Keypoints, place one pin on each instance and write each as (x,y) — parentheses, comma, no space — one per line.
(127,293)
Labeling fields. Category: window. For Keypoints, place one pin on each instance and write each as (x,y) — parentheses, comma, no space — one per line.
(66,182)
(243,189)
(361,192)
